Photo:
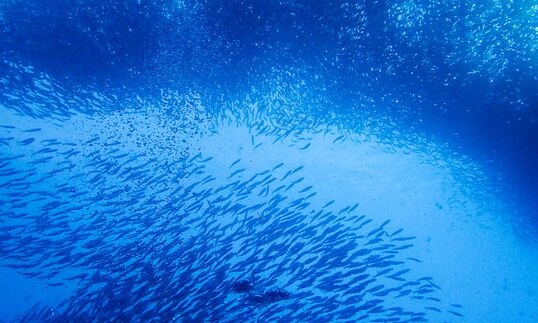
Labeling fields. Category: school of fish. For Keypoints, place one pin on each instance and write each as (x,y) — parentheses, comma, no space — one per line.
(156,234)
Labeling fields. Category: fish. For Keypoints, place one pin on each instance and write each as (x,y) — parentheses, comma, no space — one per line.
(236,172)
(455,313)
(234,163)
(145,237)
(338,138)
(305,146)
(277,166)
(242,286)
(306,189)
(27,141)
(275,295)
(32,130)
(328,204)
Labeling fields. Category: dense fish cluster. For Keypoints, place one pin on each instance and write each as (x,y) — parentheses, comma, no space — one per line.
(173,234)
(390,46)
(158,158)
(165,160)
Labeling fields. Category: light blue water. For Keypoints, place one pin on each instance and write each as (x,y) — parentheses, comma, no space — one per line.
(275,161)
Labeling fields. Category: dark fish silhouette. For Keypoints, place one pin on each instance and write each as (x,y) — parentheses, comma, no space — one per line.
(242,286)
(275,295)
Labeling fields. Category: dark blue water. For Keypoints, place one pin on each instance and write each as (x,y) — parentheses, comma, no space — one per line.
(239,160)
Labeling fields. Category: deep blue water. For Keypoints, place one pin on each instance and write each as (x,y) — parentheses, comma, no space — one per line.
(241,161)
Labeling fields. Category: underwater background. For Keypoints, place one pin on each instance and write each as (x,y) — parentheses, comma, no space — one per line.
(268,161)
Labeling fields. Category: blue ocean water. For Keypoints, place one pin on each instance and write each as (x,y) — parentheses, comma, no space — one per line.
(268,161)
